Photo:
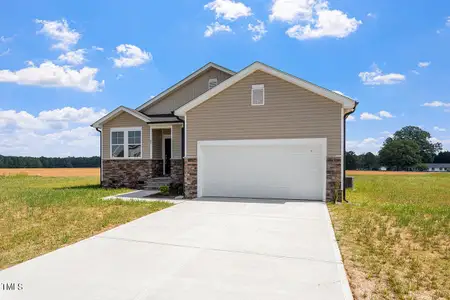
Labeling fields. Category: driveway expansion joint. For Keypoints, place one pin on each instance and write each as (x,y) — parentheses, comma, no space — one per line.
(220,250)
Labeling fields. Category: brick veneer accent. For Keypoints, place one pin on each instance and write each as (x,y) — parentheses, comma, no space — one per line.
(334,174)
(190,178)
(129,173)
(176,170)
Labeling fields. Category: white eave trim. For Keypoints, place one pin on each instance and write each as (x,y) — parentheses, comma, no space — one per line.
(158,97)
(346,102)
(117,111)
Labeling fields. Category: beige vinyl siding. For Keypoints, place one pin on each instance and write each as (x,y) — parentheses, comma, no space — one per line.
(186,93)
(289,112)
(157,143)
(125,120)
(176,141)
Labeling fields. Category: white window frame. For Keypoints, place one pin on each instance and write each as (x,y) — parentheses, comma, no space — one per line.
(259,87)
(212,80)
(125,131)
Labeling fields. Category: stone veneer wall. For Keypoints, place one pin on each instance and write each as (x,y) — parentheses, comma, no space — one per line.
(176,170)
(157,167)
(334,174)
(129,173)
(190,178)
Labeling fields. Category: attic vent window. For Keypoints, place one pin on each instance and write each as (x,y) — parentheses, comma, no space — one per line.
(258,94)
(212,82)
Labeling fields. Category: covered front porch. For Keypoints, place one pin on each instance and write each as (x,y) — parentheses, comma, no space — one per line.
(166,150)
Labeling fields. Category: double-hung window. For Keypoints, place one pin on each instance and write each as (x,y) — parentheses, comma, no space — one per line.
(126,142)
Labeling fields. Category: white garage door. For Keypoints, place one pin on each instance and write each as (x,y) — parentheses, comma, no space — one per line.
(285,169)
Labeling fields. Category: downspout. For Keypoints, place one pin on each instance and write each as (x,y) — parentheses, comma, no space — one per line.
(345,148)
(101,162)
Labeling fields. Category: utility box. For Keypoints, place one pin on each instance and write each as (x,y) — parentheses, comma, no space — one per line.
(349,182)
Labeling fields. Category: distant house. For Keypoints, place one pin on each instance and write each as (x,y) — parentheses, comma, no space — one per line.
(438,167)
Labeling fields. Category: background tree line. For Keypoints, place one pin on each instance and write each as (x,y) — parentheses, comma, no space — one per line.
(410,148)
(49,162)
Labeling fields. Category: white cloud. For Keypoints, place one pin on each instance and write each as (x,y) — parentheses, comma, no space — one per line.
(329,23)
(387,134)
(351,118)
(436,128)
(314,17)
(372,15)
(377,77)
(98,48)
(436,104)
(60,32)
(292,10)
(216,27)
(5,39)
(259,30)
(448,22)
(424,64)
(86,115)
(415,72)
(385,114)
(366,145)
(11,120)
(6,52)
(79,141)
(369,116)
(73,57)
(49,119)
(228,9)
(48,74)
(131,56)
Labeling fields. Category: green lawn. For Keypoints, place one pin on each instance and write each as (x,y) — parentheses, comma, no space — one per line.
(41,214)
(395,236)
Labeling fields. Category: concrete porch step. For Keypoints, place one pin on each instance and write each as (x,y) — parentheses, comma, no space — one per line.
(157,182)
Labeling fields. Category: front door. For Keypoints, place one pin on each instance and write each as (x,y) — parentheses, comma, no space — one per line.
(167,155)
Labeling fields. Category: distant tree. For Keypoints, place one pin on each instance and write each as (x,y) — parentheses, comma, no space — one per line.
(49,162)
(421,167)
(442,158)
(427,148)
(399,154)
(370,161)
(351,160)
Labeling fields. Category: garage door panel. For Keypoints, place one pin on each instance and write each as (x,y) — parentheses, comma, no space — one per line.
(263,171)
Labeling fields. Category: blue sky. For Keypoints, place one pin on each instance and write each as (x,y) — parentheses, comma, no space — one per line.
(63,65)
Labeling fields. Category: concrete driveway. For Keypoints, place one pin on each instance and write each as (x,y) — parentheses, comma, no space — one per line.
(201,249)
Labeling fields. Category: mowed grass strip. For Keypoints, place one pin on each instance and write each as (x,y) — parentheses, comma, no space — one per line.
(395,236)
(41,214)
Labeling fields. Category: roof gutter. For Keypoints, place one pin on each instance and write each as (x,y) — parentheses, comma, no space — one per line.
(345,148)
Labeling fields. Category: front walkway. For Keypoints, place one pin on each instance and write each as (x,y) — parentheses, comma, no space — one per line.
(205,249)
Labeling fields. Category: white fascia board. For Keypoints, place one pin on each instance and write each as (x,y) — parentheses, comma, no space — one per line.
(117,111)
(346,102)
(158,97)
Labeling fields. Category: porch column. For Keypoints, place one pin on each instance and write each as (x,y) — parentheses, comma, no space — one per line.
(176,162)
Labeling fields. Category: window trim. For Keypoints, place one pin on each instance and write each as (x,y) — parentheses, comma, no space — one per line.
(258,87)
(125,131)
(212,80)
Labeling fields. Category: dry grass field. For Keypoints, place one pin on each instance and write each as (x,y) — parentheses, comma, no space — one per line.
(56,172)
(394,236)
(357,172)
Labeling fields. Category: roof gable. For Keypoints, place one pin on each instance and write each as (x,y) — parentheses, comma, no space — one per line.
(181,83)
(116,112)
(346,102)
